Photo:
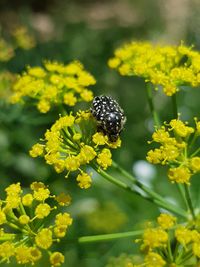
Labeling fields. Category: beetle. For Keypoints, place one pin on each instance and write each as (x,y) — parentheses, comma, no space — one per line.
(109,116)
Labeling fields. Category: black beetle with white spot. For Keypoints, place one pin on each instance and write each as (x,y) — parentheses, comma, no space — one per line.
(109,116)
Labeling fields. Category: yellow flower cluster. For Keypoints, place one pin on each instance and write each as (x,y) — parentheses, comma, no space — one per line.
(166,66)
(6,50)
(176,150)
(72,144)
(23,38)
(24,230)
(54,84)
(20,38)
(158,242)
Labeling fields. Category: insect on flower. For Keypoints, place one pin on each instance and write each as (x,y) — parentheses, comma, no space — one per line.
(109,115)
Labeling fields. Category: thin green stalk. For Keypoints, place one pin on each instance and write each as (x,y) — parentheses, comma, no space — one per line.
(151,105)
(185,257)
(169,251)
(7,237)
(156,197)
(174,106)
(195,152)
(107,237)
(182,193)
(194,138)
(152,198)
(136,182)
(189,201)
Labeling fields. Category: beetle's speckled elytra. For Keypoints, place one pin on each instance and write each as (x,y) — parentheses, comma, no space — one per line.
(109,115)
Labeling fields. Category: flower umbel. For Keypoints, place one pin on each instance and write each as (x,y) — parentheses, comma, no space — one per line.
(176,150)
(166,66)
(25,234)
(158,243)
(54,84)
(72,144)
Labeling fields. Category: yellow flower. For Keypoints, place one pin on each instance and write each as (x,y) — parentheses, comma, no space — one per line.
(43,106)
(104,159)
(84,180)
(36,150)
(154,156)
(7,250)
(195,164)
(41,194)
(37,72)
(70,99)
(19,217)
(179,175)
(87,153)
(35,186)
(87,95)
(161,136)
(54,84)
(166,221)
(44,238)
(154,237)
(113,63)
(72,163)
(42,210)
(154,260)
(173,150)
(63,219)
(23,38)
(180,128)
(35,254)
(196,249)
(24,219)
(183,235)
(63,199)
(160,65)
(56,259)
(115,144)
(72,143)
(99,138)
(22,254)
(13,189)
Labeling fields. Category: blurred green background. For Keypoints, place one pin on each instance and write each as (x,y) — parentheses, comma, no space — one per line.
(90,31)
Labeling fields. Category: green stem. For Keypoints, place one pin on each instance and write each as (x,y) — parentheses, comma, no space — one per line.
(14,226)
(174,106)
(153,196)
(151,105)
(195,152)
(7,237)
(137,182)
(107,237)
(189,201)
(156,197)
(185,257)
(182,193)
(169,251)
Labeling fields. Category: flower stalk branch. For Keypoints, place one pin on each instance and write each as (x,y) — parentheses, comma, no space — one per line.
(152,196)
(108,237)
